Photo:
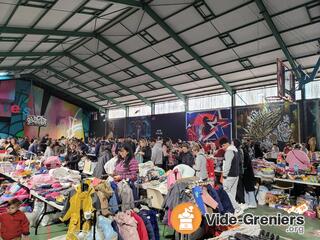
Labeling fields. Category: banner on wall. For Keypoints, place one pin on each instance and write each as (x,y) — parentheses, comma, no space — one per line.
(209,125)
(116,128)
(139,127)
(287,130)
(171,125)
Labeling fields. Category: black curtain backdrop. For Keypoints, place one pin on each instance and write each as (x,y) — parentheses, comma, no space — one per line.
(169,125)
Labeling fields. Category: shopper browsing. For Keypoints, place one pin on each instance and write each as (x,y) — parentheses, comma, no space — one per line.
(14,223)
(231,170)
(200,162)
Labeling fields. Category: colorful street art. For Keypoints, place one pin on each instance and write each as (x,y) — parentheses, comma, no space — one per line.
(19,99)
(210,125)
(64,119)
(285,130)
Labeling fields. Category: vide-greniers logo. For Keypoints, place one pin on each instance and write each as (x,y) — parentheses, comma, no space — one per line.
(186,218)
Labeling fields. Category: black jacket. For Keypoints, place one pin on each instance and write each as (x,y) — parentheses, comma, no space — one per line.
(186,158)
(72,159)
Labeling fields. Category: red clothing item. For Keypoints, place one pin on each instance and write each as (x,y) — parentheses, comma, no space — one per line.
(13,226)
(142,230)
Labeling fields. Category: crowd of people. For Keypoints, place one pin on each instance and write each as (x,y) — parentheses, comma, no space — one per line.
(126,153)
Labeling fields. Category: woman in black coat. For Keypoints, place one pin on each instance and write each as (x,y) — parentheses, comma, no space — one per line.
(248,177)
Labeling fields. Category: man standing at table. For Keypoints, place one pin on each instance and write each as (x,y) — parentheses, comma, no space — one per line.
(231,172)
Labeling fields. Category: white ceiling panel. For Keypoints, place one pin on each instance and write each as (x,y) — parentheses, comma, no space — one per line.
(9,61)
(82,53)
(257,47)
(157,32)
(137,21)
(5,11)
(5,46)
(157,63)
(199,33)
(211,45)
(137,80)
(291,19)
(166,46)
(96,61)
(140,88)
(122,63)
(89,76)
(71,73)
(28,42)
(221,6)
(178,79)
(119,76)
(94,25)
(165,8)
(253,31)
(236,76)
(93,84)
(75,22)
(125,98)
(278,6)
(93,99)
(237,18)
(309,32)
(95,46)
(74,90)
(267,57)
(145,55)
(87,94)
(108,88)
(108,69)
(304,49)
(67,6)
(188,17)
(220,57)
(25,16)
(167,72)
(43,47)
(202,73)
(228,67)
(188,66)
(132,44)
(54,80)
(52,19)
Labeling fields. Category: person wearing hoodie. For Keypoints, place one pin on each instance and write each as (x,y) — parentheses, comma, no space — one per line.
(231,172)
(185,156)
(200,162)
(156,153)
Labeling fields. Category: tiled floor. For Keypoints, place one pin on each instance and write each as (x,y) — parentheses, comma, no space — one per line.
(311,226)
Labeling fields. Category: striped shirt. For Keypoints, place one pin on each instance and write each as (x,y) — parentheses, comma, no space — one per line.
(131,172)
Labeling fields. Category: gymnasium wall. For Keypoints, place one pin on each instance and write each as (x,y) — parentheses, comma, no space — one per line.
(19,98)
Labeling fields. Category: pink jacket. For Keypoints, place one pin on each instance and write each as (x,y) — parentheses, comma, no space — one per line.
(127,226)
(298,157)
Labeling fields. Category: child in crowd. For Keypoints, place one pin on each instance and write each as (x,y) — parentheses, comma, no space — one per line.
(14,224)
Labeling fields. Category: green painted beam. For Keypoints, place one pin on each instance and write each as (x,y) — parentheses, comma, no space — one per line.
(131,3)
(186,47)
(143,68)
(31,54)
(21,68)
(34,31)
(93,69)
(276,34)
(82,85)
(41,80)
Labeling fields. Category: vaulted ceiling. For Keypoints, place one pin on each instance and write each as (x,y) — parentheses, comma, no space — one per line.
(124,52)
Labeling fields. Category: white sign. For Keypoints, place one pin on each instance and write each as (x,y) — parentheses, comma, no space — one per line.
(39,121)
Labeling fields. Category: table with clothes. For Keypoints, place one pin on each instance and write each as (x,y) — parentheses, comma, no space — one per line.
(114,209)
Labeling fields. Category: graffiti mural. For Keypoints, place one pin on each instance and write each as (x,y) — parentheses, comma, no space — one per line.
(210,125)
(269,123)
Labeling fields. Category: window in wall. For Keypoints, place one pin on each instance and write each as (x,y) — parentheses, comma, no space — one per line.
(169,107)
(313,89)
(117,113)
(142,110)
(210,102)
(255,96)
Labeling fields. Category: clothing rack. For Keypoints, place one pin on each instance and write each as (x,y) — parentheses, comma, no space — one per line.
(94,220)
